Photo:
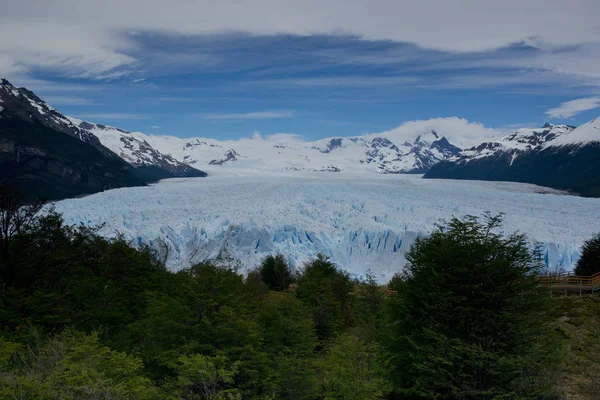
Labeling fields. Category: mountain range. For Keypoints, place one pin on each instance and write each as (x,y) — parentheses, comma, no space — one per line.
(368,153)
(51,155)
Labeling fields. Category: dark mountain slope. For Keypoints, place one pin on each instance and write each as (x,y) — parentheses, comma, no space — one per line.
(46,163)
(576,169)
(559,157)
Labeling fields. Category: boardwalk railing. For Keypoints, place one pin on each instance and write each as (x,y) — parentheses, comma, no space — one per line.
(572,283)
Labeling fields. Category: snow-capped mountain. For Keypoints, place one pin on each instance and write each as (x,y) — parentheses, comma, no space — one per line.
(52,156)
(46,156)
(357,154)
(515,142)
(111,141)
(558,156)
(411,157)
(24,104)
(583,135)
(133,148)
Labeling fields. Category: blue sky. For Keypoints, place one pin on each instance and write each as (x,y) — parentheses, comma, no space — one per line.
(313,68)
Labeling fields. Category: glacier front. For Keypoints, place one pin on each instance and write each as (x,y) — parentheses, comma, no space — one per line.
(362,221)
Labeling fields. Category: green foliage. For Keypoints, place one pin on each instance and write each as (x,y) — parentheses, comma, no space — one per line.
(275,272)
(206,378)
(75,366)
(210,311)
(62,276)
(353,370)
(290,342)
(470,320)
(589,262)
(368,308)
(327,290)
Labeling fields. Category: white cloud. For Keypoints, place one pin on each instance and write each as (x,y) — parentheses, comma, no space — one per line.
(155,127)
(458,131)
(40,86)
(67,47)
(111,116)
(92,38)
(570,108)
(250,115)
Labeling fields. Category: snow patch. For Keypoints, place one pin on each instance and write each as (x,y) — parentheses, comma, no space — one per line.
(586,133)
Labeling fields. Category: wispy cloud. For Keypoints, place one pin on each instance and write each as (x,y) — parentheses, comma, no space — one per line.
(155,127)
(343,81)
(112,116)
(68,101)
(47,86)
(250,115)
(519,125)
(570,108)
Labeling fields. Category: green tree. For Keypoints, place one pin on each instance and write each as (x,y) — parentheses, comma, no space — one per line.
(206,378)
(589,262)
(470,320)
(290,341)
(15,217)
(368,308)
(328,293)
(275,272)
(353,370)
(75,366)
(206,310)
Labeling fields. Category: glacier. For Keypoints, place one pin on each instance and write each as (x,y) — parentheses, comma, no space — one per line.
(364,222)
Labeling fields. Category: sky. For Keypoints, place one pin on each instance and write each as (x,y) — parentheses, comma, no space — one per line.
(316,68)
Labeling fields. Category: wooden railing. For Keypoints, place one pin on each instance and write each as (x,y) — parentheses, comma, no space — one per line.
(570,282)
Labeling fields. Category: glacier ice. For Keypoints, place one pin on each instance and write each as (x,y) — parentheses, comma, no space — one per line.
(362,221)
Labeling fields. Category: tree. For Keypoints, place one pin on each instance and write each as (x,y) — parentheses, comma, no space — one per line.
(275,272)
(290,341)
(368,308)
(589,262)
(15,217)
(327,291)
(470,320)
